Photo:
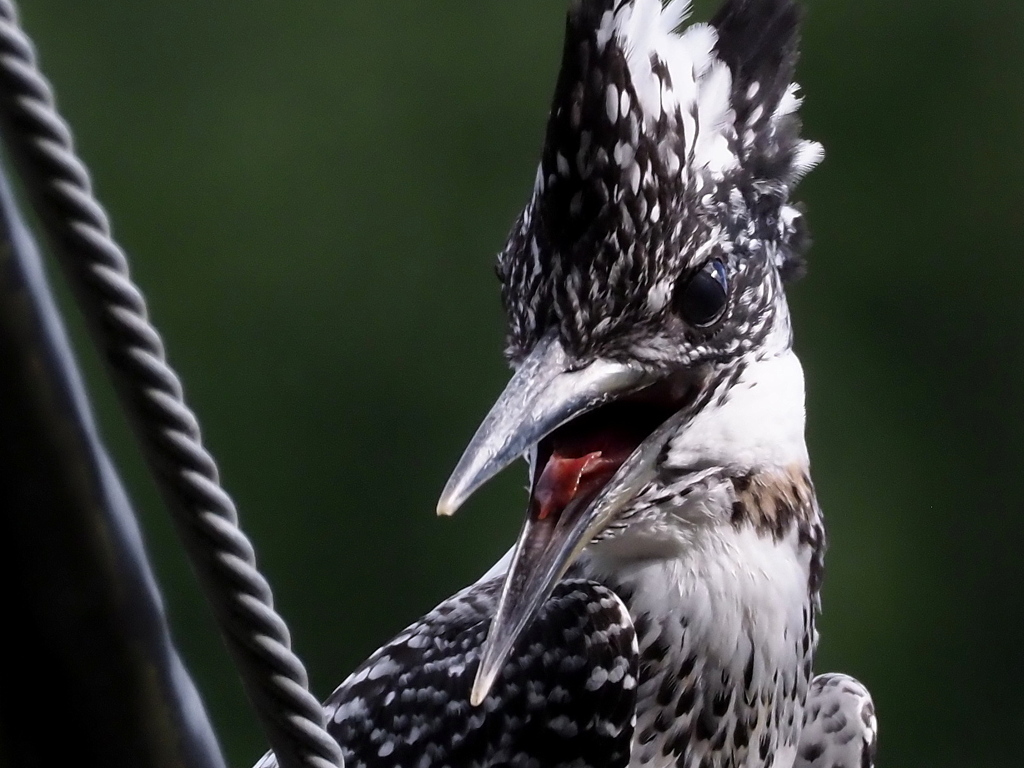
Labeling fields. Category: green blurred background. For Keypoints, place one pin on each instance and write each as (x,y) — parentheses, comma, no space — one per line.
(313,193)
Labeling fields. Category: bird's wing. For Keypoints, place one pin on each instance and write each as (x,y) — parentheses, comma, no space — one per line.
(567,696)
(840,729)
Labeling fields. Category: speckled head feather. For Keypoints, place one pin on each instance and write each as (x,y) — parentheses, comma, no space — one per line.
(664,149)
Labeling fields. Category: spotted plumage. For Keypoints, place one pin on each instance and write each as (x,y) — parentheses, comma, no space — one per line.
(840,728)
(566,699)
(658,609)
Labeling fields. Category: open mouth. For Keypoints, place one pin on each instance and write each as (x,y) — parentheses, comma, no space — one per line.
(579,458)
(597,431)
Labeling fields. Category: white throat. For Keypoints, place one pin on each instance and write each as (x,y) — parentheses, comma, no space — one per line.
(757,423)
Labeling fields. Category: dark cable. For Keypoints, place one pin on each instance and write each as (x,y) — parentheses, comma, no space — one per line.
(58,185)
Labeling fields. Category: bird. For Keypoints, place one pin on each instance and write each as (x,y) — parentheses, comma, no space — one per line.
(659,605)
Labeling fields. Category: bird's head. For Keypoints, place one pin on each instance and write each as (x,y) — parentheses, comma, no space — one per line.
(643,283)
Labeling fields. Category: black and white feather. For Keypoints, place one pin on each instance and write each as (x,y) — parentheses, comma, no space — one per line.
(840,727)
(566,698)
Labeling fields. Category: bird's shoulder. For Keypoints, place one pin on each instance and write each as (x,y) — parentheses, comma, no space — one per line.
(566,696)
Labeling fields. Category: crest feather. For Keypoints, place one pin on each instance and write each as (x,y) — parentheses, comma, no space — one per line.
(661,143)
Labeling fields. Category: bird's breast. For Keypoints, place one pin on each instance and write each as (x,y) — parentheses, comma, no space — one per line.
(726,636)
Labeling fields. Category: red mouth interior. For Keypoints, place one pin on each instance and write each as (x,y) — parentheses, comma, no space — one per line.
(579,458)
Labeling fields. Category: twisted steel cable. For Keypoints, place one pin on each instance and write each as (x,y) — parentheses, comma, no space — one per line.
(58,185)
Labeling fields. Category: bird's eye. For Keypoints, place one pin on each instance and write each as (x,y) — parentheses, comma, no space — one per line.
(703,299)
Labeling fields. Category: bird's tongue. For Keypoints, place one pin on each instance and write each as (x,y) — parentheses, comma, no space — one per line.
(579,459)
(565,477)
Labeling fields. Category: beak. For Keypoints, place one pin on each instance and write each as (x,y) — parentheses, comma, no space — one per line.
(544,394)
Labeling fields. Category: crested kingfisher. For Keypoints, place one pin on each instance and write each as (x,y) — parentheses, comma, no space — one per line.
(658,608)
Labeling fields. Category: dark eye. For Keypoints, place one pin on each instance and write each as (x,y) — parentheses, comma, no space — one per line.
(702,300)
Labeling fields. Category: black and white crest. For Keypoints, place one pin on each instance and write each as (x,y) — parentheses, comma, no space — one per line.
(664,148)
